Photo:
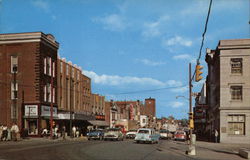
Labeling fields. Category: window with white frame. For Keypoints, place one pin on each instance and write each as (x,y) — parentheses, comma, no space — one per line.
(67,69)
(14,64)
(236,124)
(14,90)
(236,92)
(45,93)
(61,67)
(236,65)
(45,65)
(49,92)
(54,69)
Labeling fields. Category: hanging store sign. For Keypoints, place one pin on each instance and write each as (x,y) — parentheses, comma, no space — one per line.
(31,110)
(45,111)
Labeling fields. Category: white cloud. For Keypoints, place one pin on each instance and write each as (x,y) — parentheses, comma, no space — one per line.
(113,22)
(153,29)
(180,89)
(176,104)
(182,56)
(178,40)
(115,80)
(41,4)
(149,62)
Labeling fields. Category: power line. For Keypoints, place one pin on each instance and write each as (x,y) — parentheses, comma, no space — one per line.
(205,30)
(150,90)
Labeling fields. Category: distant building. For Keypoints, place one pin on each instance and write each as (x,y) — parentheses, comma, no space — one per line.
(228,83)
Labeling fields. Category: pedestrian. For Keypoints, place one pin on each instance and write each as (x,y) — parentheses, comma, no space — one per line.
(5,133)
(1,132)
(74,131)
(45,132)
(216,134)
(56,131)
(77,132)
(63,132)
(14,131)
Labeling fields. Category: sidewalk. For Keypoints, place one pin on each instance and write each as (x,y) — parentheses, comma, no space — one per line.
(219,151)
(41,140)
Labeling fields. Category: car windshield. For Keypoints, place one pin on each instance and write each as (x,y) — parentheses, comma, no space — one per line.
(143,131)
(163,131)
(180,133)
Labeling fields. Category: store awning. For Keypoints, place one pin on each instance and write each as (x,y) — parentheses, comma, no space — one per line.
(99,123)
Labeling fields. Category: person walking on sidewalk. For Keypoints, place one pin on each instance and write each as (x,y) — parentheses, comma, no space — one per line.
(63,132)
(14,131)
(74,131)
(1,131)
(216,134)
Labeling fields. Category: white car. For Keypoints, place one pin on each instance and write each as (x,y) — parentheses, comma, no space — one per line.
(113,134)
(147,135)
(131,134)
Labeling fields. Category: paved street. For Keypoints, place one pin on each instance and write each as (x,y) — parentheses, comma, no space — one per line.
(43,149)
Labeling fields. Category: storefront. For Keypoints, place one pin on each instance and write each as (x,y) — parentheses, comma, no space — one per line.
(36,118)
(31,119)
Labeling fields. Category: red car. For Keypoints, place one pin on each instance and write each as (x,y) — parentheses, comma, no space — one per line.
(180,135)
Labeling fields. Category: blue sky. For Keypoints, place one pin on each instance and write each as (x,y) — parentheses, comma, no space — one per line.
(132,45)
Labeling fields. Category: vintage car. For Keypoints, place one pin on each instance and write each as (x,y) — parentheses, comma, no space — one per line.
(113,134)
(180,136)
(95,134)
(131,134)
(164,134)
(147,135)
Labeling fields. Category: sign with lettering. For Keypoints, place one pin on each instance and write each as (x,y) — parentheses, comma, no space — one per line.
(45,111)
(31,110)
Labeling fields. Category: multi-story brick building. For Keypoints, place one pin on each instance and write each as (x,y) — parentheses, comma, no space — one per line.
(28,79)
(99,111)
(228,90)
(74,95)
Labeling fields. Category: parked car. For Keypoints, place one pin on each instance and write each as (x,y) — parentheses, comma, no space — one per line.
(131,134)
(165,134)
(180,135)
(147,135)
(95,134)
(114,134)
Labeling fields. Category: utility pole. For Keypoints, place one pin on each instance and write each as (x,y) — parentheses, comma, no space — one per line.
(70,109)
(191,150)
(51,100)
(15,96)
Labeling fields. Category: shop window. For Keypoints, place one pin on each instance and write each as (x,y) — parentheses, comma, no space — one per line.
(236,124)
(236,92)
(32,127)
(236,65)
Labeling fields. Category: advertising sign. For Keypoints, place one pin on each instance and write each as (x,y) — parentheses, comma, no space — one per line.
(45,111)
(31,110)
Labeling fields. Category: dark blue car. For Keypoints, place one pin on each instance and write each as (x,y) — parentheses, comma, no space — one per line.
(95,134)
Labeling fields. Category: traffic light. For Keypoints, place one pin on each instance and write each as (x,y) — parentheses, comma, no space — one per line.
(191,120)
(198,72)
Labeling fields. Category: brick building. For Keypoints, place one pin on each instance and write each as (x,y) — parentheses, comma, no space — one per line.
(28,79)
(74,96)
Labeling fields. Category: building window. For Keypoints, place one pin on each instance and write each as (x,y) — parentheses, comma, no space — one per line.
(45,65)
(45,93)
(236,92)
(14,64)
(61,67)
(236,65)
(236,124)
(54,69)
(67,69)
(14,90)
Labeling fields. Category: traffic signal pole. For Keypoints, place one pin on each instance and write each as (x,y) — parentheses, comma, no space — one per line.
(191,147)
